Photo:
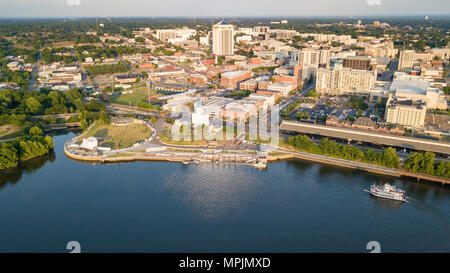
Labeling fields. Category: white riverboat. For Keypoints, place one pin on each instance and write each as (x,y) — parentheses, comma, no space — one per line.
(388,191)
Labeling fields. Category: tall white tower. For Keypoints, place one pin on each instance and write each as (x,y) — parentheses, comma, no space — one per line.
(223,39)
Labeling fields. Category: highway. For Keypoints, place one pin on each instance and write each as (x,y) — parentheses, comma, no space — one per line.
(366,136)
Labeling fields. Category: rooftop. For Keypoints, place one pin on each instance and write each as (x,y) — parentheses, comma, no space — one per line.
(223,23)
(232,74)
(410,87)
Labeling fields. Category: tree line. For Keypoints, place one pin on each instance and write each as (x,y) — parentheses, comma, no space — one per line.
(23,148)
(387,158)
(18,107)
(424,163)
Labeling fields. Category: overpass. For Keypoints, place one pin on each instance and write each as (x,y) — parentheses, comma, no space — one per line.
(367,136)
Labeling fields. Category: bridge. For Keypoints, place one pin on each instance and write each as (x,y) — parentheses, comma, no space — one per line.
(63,126)
(368,137)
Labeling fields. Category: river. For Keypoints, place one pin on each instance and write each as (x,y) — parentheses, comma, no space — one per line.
(293,206)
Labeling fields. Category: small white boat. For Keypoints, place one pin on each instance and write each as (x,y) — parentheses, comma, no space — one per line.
(260,165)
(185,163)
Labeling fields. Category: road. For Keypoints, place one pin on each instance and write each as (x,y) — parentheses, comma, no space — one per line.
(387,75)
(127,110)
(34,74)
(368,136)
(298,96)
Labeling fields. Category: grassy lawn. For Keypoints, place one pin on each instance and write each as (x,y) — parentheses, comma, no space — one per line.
(9,131)
(166,138)
(130,99)
(119,136)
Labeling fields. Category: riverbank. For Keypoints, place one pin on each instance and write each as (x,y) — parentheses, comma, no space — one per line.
(363,166)
(283,154)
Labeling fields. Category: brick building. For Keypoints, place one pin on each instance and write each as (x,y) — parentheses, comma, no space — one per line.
(231,79)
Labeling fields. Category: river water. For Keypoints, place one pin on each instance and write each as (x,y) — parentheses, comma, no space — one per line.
(293,206)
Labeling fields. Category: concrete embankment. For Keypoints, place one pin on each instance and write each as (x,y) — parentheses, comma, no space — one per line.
(80,157)
(285,155)
(274,158)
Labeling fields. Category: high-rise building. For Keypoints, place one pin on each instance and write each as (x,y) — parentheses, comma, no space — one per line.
(406,59)
(344,81)
(223,39)
(325,57)
(409,58)
(307,56)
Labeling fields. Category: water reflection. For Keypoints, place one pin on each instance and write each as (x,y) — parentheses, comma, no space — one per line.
(14,175)
(386,203)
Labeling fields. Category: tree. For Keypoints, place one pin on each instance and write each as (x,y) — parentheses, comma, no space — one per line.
(104,117)
(140,40)
(33,105)
(8,156)
(35,131)
(422,163)
(390,158)
(49,142)
(441,169)
(84,124)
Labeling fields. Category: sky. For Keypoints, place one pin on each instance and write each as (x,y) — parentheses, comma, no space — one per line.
(211,8)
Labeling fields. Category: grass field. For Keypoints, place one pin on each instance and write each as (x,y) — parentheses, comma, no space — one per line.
(9,131)
(130,99)
(119,136)
(166,138)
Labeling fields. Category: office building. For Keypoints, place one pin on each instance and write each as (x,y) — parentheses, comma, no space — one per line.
(223,39)
(357,62)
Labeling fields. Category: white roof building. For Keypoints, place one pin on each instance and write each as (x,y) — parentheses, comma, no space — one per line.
(90,143)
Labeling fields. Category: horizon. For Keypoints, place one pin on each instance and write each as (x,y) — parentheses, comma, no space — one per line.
(230,17)
(215,8)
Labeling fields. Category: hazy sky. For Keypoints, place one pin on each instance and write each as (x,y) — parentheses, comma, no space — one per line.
(89,8)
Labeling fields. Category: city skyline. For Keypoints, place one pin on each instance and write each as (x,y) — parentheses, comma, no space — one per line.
(232,8)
